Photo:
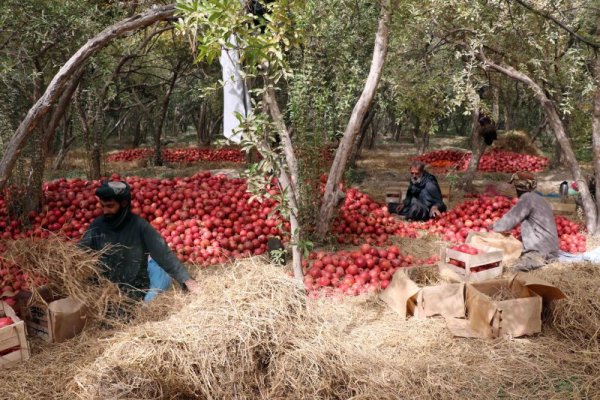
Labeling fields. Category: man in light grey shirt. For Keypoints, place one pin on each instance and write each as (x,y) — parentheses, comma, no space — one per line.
(538,226)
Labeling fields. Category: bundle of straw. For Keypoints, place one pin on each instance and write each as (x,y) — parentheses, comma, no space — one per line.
(68,271)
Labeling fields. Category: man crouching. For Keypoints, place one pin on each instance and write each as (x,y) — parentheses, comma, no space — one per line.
(423,197)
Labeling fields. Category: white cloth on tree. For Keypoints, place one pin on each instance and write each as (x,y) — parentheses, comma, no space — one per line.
(235,93)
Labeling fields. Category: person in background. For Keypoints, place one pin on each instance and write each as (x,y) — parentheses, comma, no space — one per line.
(423,197)
(130,239)
(538,225)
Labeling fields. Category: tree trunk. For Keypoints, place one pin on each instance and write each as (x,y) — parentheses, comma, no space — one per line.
(495,104)
(374,131)
(33,196)
(596,139)
(477,149)
(92,143)
(556,125)
(56,86)
(199,121)
(137,133)
(538,130)
(424,142)
(67,139)
(157,159)
(397,132)
(358,143)
(358,113)
(416,130)
(288,179)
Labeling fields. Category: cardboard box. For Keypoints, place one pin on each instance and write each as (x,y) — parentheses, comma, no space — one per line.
(13,342)
(52,319)
(518,316)
(488,255)
(406,297)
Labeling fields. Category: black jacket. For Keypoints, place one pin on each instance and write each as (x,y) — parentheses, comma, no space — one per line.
(427,191)
(126,262)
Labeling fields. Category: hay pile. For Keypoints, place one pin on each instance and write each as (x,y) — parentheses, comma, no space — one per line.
(68,271)
(254,334)
(517,142)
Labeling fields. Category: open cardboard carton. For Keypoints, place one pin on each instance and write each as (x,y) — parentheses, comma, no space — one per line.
(407,298)
(485,317)
(51,318)
(520,315)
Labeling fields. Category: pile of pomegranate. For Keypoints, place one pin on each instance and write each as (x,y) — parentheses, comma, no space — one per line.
(361,219)
(491,161)
(478,214)
(189,155)
(355,272)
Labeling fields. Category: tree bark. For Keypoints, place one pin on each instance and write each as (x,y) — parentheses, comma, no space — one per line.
(358,113)
(358,143)
(157,157)
(596,138)
(33,197)
(477,149)
(91,141)
(56,86)
(495,104)
(288,179)
(557,127)
(137,133)
(424,142)
(374,132)
(416,130)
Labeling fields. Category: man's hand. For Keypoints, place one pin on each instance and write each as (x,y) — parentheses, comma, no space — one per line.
(192,286)
(434,212)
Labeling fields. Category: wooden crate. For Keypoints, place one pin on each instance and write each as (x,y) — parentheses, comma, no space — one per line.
(489,255)
(396,194)
(12,336)
(563,208)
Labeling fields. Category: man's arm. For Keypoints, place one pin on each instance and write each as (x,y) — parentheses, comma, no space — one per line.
(433,195)
(162,254)
(513,217)
(87,241)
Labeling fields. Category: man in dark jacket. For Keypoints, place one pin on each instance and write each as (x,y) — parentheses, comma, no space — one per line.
(423,197)
(131,240)
(538,225)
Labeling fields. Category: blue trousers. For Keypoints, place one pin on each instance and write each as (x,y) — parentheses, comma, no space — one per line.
(159,280)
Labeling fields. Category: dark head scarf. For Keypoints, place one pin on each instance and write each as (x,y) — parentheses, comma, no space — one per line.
(120,192)
(523,181)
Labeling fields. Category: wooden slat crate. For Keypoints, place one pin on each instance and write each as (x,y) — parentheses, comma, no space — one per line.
(559,208)
(12,337)
(488,255)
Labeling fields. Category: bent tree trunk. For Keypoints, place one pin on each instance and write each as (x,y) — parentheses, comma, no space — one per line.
(358,113)
(57,85)
(557,127)
(477,149)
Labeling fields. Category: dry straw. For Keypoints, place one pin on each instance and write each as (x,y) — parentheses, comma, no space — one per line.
(253,334)
(68,270)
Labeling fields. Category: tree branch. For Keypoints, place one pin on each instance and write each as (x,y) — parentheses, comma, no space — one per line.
(559,23)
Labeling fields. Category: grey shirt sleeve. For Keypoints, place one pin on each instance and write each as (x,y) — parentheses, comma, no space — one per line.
(513,217)
(162,254)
